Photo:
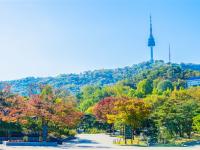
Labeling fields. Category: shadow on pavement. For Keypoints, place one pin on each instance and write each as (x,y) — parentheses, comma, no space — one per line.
(86,141)
(81,141)
(77,143)
(94,147)
(194,143)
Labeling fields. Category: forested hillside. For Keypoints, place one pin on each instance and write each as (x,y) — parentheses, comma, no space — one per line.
(151,99)
(74,82)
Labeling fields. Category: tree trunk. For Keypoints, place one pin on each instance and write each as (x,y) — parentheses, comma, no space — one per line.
(189,134)
(124,134)
(181,133)
(113,129)
(133,133)
(44,130)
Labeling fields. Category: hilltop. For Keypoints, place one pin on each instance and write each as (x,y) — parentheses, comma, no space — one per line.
(74,82)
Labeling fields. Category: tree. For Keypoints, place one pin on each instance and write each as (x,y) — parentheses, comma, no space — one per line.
(89,122)
(41,110)
(12,112)
(12,106)
(145,86)
(117,90)
(104,108)
(196,123)
(164,85)
(177,113)
(132,111)
(49,110)
(66,114)
(89,96)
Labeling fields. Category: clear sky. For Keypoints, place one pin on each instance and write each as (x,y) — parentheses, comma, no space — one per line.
(50,37)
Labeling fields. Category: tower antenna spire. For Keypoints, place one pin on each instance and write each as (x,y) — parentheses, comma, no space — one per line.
(150,25)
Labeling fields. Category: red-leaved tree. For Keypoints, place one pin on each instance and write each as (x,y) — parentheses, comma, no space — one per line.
(104,109)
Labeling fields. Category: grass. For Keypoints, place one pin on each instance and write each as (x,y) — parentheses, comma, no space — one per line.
(172,143)
(135,142)
(182,141)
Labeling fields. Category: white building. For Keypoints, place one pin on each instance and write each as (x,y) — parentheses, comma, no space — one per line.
(194,81)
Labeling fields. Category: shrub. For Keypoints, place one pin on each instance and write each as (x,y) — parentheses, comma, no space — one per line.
(94,131)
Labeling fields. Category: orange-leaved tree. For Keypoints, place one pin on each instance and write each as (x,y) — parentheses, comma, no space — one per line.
(46,108)
(132,111)
(103,110)
(12,108)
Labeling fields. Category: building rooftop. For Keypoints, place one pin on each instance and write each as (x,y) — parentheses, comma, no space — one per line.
(194,78)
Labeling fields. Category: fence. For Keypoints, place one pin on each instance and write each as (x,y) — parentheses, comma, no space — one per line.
(20,139)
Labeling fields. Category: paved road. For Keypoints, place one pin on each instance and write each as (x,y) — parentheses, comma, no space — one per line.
(97,141)
(94,141)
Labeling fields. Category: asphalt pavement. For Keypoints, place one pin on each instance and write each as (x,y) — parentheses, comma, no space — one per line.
(97,141)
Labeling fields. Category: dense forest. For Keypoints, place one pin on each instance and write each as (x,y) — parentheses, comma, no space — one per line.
(153,100)
(74,82)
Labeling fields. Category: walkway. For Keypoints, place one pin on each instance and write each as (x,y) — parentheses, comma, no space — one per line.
(97,141)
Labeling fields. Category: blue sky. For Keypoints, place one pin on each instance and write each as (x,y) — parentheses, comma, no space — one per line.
(50,37)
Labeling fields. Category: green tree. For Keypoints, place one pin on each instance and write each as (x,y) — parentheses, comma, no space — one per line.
(196,123)
(164,85)
(145,86)
(177,113)
(89,96)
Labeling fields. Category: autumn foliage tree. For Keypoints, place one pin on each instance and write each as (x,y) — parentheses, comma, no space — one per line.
(105,109)
(41,110)
(12,108)
(47,108)
(132,111)
(67,114)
